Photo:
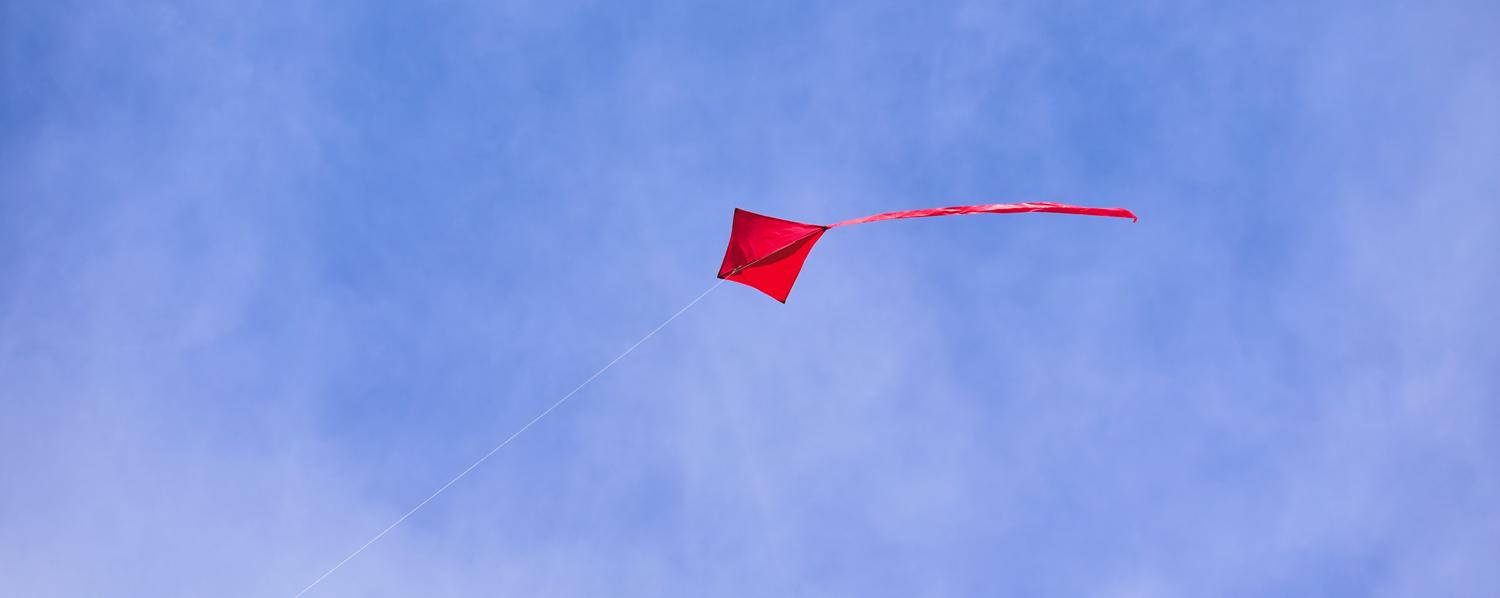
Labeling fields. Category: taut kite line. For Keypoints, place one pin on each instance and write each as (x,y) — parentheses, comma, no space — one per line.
(767,253)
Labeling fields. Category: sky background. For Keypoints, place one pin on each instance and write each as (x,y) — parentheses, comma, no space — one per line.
(270,275)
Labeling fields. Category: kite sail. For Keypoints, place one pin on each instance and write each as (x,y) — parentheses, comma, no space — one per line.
(767,253)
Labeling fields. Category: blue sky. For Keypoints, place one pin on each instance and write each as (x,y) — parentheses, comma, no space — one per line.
(269,275)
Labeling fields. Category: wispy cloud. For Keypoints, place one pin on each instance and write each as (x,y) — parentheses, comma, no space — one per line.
(268,276)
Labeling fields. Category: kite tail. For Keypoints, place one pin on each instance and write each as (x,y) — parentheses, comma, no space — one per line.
(997,208)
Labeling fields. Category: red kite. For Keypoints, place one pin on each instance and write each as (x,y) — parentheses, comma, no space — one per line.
(767,253)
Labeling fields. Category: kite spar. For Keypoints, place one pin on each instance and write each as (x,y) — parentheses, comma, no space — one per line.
(766,253)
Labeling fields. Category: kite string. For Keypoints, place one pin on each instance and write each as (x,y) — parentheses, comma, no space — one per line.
(508,439)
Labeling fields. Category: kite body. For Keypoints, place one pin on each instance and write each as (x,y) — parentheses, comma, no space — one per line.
(767,253)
